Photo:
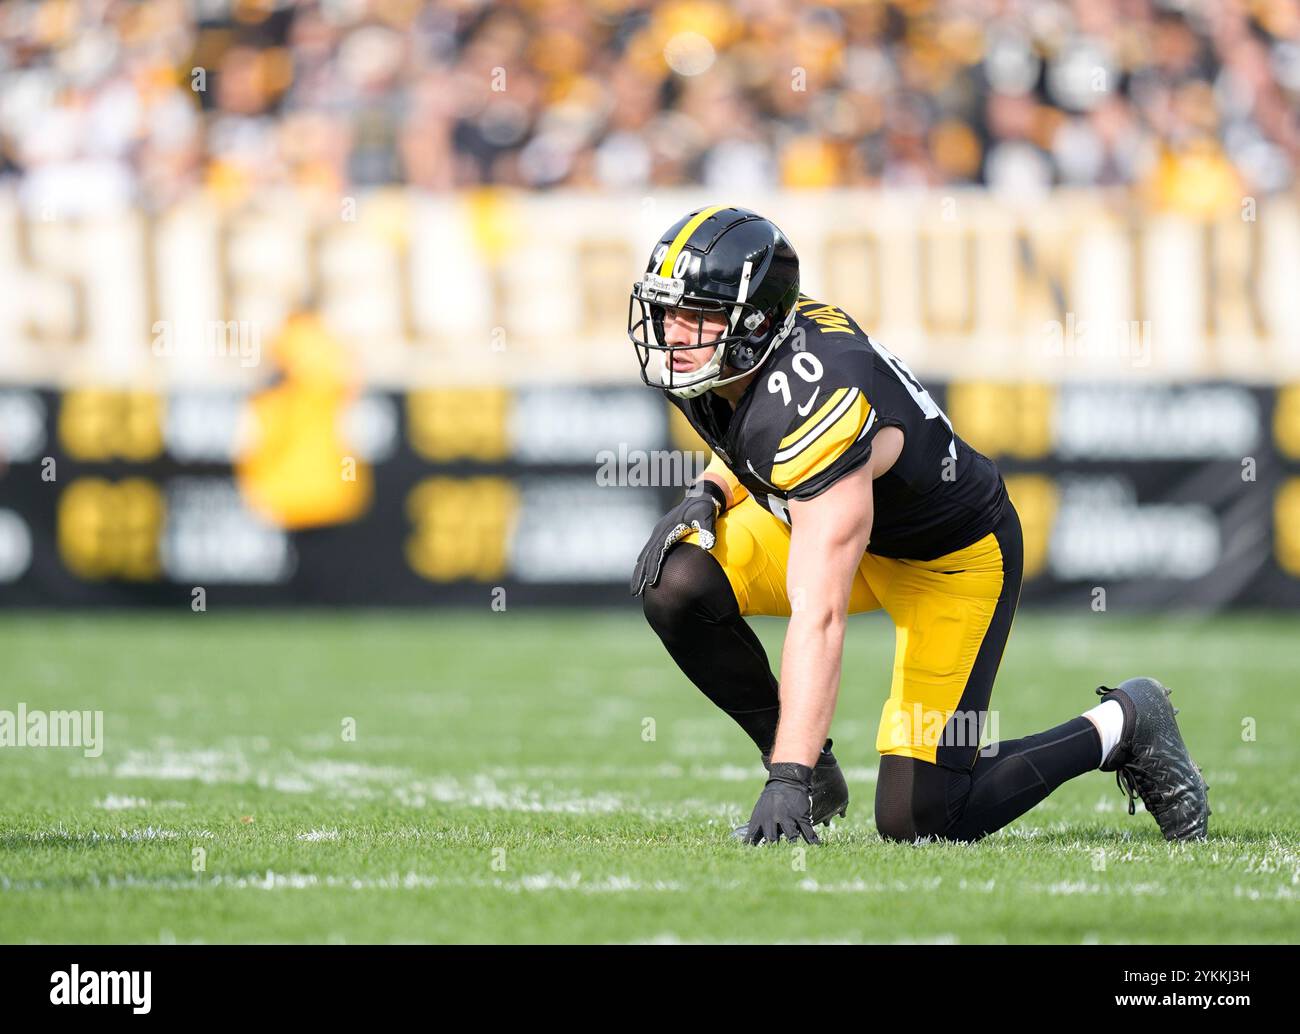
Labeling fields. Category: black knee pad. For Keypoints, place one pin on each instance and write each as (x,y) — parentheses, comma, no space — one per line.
(915,798)
(692,588)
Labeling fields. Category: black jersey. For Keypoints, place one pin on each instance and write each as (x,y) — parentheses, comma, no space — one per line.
(809,417)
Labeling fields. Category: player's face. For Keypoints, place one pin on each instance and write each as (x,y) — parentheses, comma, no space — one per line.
(682,327)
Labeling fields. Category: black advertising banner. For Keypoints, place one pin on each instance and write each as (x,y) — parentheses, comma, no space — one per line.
(1158,495)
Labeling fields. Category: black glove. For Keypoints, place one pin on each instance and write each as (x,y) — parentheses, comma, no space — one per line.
(698,511)
(784,808)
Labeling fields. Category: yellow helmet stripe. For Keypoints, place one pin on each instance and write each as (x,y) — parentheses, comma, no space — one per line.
(679,242)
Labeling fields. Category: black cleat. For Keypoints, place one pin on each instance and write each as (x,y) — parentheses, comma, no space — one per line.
(830,793)
(1152,760)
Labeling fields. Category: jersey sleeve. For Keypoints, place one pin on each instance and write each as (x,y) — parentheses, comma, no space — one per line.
(735,489)
(828,444)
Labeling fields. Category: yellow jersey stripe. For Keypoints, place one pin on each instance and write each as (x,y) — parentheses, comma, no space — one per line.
(825,449)
(813,420)
(679,242)
(851,395)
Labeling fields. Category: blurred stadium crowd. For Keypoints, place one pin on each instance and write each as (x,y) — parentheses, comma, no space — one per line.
(105,103)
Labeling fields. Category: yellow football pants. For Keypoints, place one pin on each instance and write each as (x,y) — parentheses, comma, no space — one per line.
(951,617)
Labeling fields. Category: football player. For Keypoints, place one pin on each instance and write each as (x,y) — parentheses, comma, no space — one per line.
(837,485)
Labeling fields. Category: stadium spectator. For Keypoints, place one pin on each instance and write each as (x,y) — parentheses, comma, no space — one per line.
(108,103)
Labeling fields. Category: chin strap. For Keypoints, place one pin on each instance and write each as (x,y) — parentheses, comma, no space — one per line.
(696,387)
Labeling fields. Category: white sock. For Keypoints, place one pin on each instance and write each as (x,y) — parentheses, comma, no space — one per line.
(1108,717)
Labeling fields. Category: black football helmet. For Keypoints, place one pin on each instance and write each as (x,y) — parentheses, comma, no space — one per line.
(722,260)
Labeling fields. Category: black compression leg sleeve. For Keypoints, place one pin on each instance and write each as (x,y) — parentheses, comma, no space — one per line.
(693,610)
(917,799)
(970,792)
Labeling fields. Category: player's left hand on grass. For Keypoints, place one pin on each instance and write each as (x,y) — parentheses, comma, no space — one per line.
(784,809)
(697,512)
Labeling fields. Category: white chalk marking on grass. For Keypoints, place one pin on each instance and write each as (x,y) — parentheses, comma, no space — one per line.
(287,774)
(1070,888)
(1074,888)
(859,886)
(94,836)
(137,835)
(1254,894)
(939,938)
(729,773)
(480,791)
(504,789)
(114,802)
(1062,888)
(292,784)
(575,883)
(357,780)
(725,772)
(533,883)
(345,777)
(314,835)
(205,766)
(1022,832)
(1275,859)
(1139,889)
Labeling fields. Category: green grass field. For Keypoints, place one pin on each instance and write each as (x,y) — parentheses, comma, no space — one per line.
(500,788)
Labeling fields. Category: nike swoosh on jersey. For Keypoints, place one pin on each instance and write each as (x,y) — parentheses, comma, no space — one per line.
(804,410)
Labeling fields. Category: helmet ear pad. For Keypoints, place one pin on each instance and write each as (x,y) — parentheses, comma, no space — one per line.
(744,355)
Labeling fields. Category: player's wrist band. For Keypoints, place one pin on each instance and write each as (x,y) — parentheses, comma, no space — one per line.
(714,489)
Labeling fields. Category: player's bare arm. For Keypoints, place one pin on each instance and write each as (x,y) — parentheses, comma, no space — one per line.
(828,536)
(825,550)
(833,530)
